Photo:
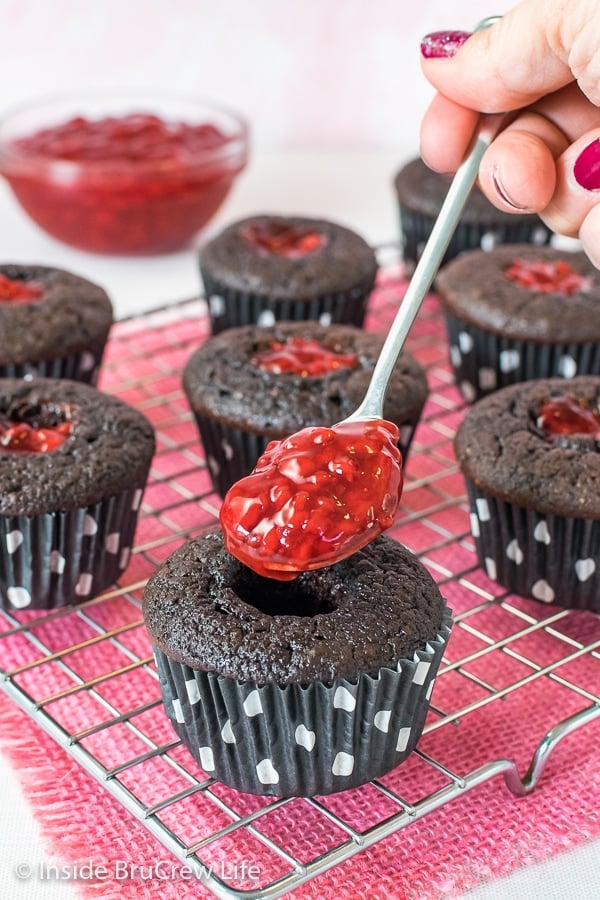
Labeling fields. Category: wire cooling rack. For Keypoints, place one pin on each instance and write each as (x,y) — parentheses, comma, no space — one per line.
(86,674)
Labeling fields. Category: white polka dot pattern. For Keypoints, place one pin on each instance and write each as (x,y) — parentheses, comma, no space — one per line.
(19,597)
(300,739)
(343,699)
(63,558)
(543,556)
(343,764)
(305,737)
(14,539)
(267,773)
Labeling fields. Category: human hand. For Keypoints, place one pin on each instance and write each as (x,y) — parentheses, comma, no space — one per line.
(543,59)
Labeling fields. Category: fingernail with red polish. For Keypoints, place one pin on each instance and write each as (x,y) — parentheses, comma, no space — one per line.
(587,167)
(443,44)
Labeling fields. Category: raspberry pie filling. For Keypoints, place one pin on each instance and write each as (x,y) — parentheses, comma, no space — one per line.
(15,290)
(131,183)
(314,498)
(282,239)
(39,428)
(547,277)
(299,356)
(565,415)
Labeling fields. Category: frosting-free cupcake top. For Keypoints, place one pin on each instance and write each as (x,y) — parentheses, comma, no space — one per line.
(289,257)
(420,188)
(64,445)
(537,445)
(225,378)
(47,313)
(205,609)
(540,294)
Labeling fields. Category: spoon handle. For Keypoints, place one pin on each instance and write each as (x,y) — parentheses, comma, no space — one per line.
(427,267)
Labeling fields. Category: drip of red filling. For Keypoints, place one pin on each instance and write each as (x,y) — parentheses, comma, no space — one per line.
(566,415)
(17,290)
(300,356)
(314,498)
(19,437)
(282,239)
(547,277)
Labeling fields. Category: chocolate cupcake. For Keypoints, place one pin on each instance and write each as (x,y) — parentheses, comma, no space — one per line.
(268,268)
(296,688)
(530,454)
(52,324)
(252,385)
(420,193)
(518,313)
(73,467)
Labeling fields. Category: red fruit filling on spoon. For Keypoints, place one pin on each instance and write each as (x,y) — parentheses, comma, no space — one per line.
(314,498)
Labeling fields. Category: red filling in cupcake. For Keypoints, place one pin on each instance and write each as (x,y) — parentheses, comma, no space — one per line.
(16,290)
(39,429)
(566,415)
(547,277)
(299,356)
(283,239)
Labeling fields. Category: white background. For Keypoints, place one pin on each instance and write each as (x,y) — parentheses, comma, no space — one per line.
(334,95)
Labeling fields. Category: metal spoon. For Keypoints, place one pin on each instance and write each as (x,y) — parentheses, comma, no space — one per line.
(429,263)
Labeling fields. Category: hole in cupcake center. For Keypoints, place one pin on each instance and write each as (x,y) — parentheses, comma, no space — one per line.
(283,239)
(18,290)
(569,418)
(300,356)
(547,277)
(276,598)
(39,427)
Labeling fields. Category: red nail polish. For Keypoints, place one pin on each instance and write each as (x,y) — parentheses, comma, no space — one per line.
(587,167)
(443,44)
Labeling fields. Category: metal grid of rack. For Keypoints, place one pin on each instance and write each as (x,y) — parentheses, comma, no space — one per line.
(86,674)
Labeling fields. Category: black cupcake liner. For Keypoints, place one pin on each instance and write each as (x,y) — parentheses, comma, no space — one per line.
(228,308)
(62,558)
(415,229)
(553,559)
(483,362)
(232,453)
(301,740)
(84,365)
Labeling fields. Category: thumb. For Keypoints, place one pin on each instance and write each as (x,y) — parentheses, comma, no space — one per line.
(533,50)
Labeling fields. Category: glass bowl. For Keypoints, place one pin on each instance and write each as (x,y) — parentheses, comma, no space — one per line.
(122,173)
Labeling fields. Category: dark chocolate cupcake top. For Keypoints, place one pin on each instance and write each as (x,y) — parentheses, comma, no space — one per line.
(222,381)
(66,445)
(536,445)
(539,294)
(47,313)
(205,609)
(289,257)
(421,189)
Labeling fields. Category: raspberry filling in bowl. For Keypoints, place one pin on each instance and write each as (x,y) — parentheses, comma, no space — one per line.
(314,498)
(547,277)
(282,239)
(301,356)
(35,429)
(136,174)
